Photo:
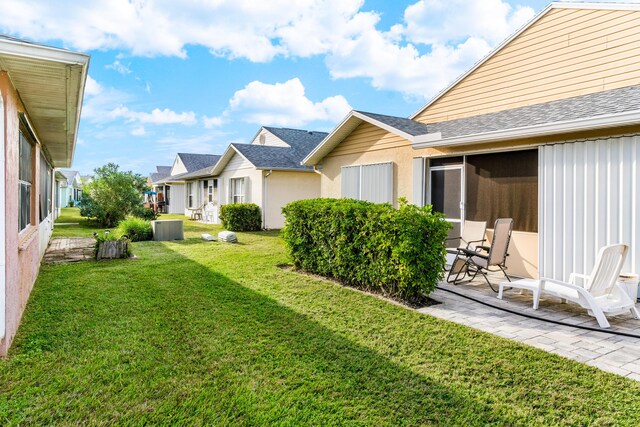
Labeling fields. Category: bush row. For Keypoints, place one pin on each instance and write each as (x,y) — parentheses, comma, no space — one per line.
(399,252)
(136,229)
(241,217)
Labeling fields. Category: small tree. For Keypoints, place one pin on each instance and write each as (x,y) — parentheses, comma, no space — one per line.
(112,195)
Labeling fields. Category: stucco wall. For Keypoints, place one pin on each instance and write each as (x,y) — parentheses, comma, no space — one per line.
(22,250)
(237,168)
(285,187)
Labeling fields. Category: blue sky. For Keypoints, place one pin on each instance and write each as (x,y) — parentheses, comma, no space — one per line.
(193,76)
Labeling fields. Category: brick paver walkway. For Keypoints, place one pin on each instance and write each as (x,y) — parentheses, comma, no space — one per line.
(613,353)
(69,250)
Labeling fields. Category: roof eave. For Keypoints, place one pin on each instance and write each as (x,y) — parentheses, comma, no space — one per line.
(546,129)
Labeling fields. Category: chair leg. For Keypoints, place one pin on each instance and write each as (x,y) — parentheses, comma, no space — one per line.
(600,317)
(634,313)
(536,299)
(500,290)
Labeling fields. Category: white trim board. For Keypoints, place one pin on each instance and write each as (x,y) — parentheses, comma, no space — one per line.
(3,258)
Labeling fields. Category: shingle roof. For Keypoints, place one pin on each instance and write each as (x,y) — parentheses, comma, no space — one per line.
(269,157)
(300,140)
(403,124)
(162,172)
(194,162)
(613,101)
(198,173)
(70,175)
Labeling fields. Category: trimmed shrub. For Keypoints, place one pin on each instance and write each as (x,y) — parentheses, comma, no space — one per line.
(136,229)
(398,252)
(241,217)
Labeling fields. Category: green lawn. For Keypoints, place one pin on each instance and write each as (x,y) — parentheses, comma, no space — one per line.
(211,333)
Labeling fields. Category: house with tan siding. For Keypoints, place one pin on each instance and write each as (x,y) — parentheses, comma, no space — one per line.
(41,90)
(545,129)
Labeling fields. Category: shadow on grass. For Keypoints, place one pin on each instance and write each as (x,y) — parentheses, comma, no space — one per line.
(108,343)
(173,342)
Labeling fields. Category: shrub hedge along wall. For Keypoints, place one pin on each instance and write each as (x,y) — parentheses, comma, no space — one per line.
(241,217)
(399,252)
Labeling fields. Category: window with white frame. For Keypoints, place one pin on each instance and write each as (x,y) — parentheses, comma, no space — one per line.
(25,180)
(237,190)
(45,188)
(210,193)
(191,194)
(373,182)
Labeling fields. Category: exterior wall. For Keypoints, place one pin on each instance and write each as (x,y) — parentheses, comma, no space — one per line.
(365,145)
(238,167)
(285,187)
(566,53)
(269,139)
(23,250)
(178,167)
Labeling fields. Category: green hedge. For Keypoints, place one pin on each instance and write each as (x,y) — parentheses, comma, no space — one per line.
(241,217)
(399,252)
(136,229)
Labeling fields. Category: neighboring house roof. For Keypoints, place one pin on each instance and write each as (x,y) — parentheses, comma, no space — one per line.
(408,126)
(194,162)
(162,172)
(71,176)
(51,84)
(266,157)
(612,108)
(206,171)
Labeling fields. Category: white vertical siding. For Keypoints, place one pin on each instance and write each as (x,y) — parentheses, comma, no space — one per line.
(350,176)
(588,198)
(177,202)
(377,183)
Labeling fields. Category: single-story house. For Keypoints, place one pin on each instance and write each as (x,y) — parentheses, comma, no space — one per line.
(70,191)
(545,129)
(267,172)
(41,90)
(171,187)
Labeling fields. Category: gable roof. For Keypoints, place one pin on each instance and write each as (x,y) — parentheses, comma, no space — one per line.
(408,129)
(194,162)
(536,18)
(206,171)
(161,172)
(70,175)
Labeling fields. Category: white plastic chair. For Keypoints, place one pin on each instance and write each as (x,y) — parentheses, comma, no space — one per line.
(209,213)
(600,293)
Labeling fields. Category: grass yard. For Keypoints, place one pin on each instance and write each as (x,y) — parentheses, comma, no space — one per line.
(211,333)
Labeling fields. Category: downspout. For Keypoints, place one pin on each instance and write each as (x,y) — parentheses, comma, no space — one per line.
(3,212)
(264,199)
(315,169)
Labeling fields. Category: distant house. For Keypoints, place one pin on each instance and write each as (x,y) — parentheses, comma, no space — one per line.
(70,191)
(267,172)
(172,186)
(41,90)
(545,129)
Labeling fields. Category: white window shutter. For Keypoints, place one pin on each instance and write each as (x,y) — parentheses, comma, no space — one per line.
(377,183)
(350,182)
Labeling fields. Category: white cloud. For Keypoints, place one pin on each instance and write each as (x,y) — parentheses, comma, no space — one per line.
(138,131)
(284,104)
(213,121)
(435,42)
(119,67)
(92,87)
(156,116)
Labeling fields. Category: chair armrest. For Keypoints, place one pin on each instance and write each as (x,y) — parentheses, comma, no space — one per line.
(453,238)
(469,252)
(573,276)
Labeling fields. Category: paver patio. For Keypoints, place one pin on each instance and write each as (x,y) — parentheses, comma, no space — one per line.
(612,353)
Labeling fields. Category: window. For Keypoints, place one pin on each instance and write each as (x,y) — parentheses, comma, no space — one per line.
(25,179)
(237,190)
(210,192)
(190,194)
(45,188)
(373,183)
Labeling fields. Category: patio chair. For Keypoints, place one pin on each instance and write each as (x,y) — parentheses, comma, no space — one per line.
(600,293)
(209,213)
(197,212)
(484,259)
(473,233)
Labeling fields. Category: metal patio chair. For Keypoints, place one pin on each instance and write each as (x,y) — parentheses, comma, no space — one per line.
(469,263)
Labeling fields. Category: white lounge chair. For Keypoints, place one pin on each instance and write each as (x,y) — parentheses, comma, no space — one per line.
(600,293)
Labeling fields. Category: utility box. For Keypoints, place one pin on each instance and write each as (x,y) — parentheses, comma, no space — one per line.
(168,229)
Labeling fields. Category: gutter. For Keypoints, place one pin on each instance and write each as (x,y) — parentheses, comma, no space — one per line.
(315,169)
(545,129)
(264,198)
